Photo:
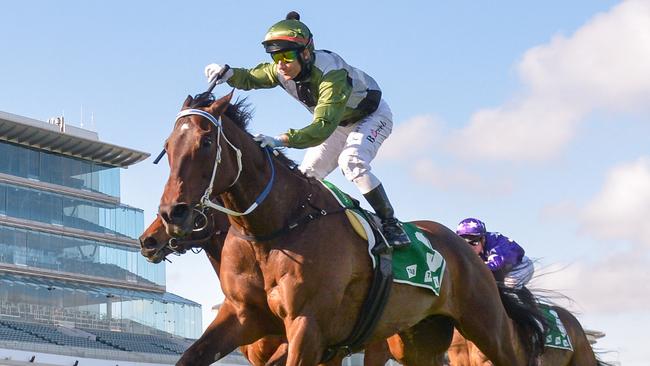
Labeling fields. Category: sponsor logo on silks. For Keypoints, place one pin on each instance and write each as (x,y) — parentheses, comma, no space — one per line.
(374,133)
(412,270)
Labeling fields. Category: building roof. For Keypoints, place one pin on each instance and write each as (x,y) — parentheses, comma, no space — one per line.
(75,142)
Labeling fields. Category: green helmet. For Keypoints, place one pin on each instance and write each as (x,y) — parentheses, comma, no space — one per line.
(288,34)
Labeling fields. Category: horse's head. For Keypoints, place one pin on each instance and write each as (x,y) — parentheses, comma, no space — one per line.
(156,244)
(197,145)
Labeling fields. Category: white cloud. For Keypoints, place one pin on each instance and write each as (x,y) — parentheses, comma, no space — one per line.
(457,179)
(603,65)
(415,137)
(416,140)
(615,284)
(559,211)
(621,210)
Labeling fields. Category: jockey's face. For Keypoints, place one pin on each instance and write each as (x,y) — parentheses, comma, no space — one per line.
(289,70)
(476,242)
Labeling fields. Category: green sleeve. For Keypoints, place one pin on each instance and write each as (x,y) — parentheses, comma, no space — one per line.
(262,76)
(333,93)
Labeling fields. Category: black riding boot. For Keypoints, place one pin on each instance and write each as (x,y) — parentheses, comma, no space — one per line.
(391,228)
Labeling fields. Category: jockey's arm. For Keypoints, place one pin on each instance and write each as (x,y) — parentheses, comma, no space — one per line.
(333,93)
(262,76)
(495,262)
(507,253)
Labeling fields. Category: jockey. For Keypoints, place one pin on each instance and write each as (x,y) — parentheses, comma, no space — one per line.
(503,256)
(350,118)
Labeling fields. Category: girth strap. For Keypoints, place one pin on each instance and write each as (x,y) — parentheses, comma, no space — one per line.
(372,308)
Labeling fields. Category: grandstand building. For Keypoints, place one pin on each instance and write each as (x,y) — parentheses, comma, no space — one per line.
(73,285)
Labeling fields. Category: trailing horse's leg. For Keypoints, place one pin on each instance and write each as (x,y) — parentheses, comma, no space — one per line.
(494,334)
(424,344)
(376,354)
(226,332)
(476,357)
(459,351)
(335,361)
(305,341)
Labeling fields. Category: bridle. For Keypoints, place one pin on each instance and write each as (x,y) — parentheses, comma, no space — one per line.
(205,199)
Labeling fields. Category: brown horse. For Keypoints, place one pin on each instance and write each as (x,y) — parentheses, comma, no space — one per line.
(312,279)
(156,245)
(410,347)
(465,353)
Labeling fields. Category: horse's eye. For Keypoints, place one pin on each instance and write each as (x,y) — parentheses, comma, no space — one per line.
(206,142)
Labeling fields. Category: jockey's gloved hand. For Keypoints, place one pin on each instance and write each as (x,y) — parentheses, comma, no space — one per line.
(212,70)
(495,262)
(272,142)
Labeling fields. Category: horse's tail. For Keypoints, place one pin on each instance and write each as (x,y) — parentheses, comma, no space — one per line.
(522,307)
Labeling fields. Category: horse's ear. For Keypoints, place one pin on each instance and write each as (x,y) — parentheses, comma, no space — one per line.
(220,105)
(187,102)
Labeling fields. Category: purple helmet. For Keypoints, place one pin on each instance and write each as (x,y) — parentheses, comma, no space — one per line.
(471,226)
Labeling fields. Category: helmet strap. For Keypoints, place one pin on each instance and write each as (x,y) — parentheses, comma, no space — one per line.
(305,66)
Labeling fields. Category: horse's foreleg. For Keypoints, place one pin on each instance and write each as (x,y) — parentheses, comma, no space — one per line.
(223,335)
(264,351)
(279,358)
(305,341)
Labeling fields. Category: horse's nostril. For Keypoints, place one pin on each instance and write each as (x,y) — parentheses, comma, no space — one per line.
(179,212)
(150,243)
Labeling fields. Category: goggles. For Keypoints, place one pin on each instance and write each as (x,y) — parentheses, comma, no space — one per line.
(285,56)
(472,240)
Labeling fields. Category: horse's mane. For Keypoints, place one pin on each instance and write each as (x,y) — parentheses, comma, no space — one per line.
(241,113)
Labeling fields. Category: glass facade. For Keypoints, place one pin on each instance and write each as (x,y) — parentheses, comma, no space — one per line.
(122,300)
(48,167)
(91,306)
(77,256)
(58,209)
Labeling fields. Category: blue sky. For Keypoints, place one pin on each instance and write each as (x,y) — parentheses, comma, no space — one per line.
(533,116)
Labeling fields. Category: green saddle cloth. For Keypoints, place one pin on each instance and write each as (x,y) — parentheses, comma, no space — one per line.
(418,265)
(556,336)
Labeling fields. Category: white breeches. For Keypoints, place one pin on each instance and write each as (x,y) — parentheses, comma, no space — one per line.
(352,148)
(520,274)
